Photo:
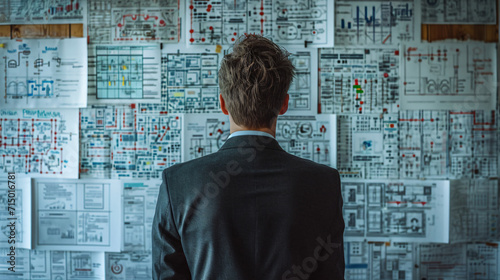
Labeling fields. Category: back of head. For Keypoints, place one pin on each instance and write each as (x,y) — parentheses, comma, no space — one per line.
(254,80)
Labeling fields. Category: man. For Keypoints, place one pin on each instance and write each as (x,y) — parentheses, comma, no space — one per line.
(250,210)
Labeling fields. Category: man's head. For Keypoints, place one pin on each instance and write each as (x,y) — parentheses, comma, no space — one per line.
(254,81)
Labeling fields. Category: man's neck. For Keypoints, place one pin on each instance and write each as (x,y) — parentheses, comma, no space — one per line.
(234,128)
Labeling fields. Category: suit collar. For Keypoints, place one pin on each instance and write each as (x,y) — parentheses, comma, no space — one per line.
(251,141)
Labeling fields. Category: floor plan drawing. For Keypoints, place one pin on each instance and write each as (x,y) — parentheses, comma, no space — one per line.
(371,23)
(124,74)
(447,76)
(43,73)
(39,143)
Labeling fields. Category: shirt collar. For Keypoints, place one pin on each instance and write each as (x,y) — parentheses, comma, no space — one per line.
(250,132)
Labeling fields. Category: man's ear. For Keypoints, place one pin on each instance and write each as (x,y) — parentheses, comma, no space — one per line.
(284,106)
(223,105)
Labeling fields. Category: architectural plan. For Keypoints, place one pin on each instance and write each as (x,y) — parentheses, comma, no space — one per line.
(311,137)
(130,265)
(448,76)
(39,143)
(203,134)
(42,11)
(124,74)
(15,211)
(397,211)
(299,22)
(359,80)
(83,215)
(117,21)
(37,264)
(459,11)
(458,261)
(139,205)
(128,141)
(43,73)
(370,23)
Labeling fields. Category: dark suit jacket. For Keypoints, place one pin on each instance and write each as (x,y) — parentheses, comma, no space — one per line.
(249,211)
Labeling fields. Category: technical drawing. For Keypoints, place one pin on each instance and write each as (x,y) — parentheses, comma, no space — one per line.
(191,82)
(90,223)
(357,81)
(381,210)
(129,265)
(204,134)
(298,22)
(309,137)
(43,11)
(134,21)
(44,73)
(39,143)
(122,74)
(458,261)
(37,264)
(19,199)
(376,22)
(446,76)
(459,11)
(303,91)
(134,141)
(139,204)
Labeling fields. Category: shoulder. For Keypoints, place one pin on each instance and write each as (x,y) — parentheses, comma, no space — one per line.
(193,166)
(311,167)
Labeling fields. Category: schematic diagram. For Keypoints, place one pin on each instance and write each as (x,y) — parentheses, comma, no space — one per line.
(139,204)
(439,76)
(376,22)
(39,143)
(458,261)
(44,73)
(299,22)
(396,210)
(22,215)
(134,21)
(63,222)
(137,141)
(448,144)
(303,91)
(204,134)
(191,81)
(43,11)
(122,74)
(357,80)
(459,11)
(309,137)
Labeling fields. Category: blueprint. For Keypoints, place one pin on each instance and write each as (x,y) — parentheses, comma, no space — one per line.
(372,23)
(15,208)
(77,215)
(303,90)
(399,211)
(129,265)
(459,12)
(42,11)
(358,80)
(447,76)
(37,264)
(297,22)
(128,141)
(139,205)
(39,143)
(43,73)
(310,137)
(124,74)
(118,21)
